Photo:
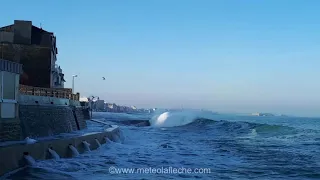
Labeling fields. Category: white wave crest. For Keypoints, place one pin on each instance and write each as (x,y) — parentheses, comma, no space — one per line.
(172,119)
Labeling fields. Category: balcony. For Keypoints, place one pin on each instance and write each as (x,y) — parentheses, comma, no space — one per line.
(65,93)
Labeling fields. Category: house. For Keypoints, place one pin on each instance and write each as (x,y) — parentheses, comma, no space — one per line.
(36,50)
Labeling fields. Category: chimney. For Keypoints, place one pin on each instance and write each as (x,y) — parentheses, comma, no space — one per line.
(22,32)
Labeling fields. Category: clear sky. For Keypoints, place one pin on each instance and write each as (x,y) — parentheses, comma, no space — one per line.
(223,55)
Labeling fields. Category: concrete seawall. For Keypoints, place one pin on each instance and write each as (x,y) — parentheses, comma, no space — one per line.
(10,130)
(39,121)
(43,116)
(12,157)
(80,117)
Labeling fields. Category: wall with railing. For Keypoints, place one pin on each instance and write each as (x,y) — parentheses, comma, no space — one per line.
(65,93)
(43,112)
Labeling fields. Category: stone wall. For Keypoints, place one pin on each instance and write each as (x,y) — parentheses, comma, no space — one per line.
(10,130)
(38,121)
(42,120)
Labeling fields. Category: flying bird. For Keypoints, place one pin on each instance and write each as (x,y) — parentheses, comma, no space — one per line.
(103,78)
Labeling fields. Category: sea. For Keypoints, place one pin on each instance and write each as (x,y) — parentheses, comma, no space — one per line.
(191,144)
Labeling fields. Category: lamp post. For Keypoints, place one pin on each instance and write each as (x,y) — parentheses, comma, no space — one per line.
(73,76)
(91,103)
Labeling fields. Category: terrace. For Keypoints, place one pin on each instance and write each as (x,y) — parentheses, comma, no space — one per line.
(65,93)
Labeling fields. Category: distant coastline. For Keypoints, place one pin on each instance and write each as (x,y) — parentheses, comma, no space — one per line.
(267,114)
(99,105)
(262,114)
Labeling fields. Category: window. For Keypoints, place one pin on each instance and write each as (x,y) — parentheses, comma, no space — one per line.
(8,85)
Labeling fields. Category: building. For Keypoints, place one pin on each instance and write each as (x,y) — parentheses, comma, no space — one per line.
(262,114)
(255,114)
(9,78)
(111,107)
(9,95)
(83,99)
(36,50)
(99,105)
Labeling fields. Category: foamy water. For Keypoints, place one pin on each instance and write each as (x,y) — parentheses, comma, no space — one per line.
(232,147)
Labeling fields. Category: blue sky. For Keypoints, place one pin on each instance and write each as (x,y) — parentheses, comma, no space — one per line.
(234,56)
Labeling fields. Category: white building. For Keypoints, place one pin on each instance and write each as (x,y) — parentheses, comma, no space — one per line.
(83,99)
(9,78)
(57,77)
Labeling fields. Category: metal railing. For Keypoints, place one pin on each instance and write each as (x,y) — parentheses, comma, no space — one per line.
(50,92)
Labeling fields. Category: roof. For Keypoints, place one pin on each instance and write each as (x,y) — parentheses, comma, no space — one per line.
(9,28)
(35,28)
(36,35)
(36,32)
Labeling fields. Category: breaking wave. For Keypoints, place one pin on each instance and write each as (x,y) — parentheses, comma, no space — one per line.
(199,120)
(176,118)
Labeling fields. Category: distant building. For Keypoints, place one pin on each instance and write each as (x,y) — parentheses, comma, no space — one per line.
(36,50)
(99,105)
(83,99)
(111,107)
(84,102)
(262,114)
(255,114)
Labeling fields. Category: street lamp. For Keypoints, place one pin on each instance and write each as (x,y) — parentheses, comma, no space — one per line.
(91,103)
(73,76)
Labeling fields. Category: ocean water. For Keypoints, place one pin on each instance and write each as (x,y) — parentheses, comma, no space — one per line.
(194,145)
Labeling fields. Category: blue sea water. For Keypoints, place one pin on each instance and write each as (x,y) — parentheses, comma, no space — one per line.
(225,146)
